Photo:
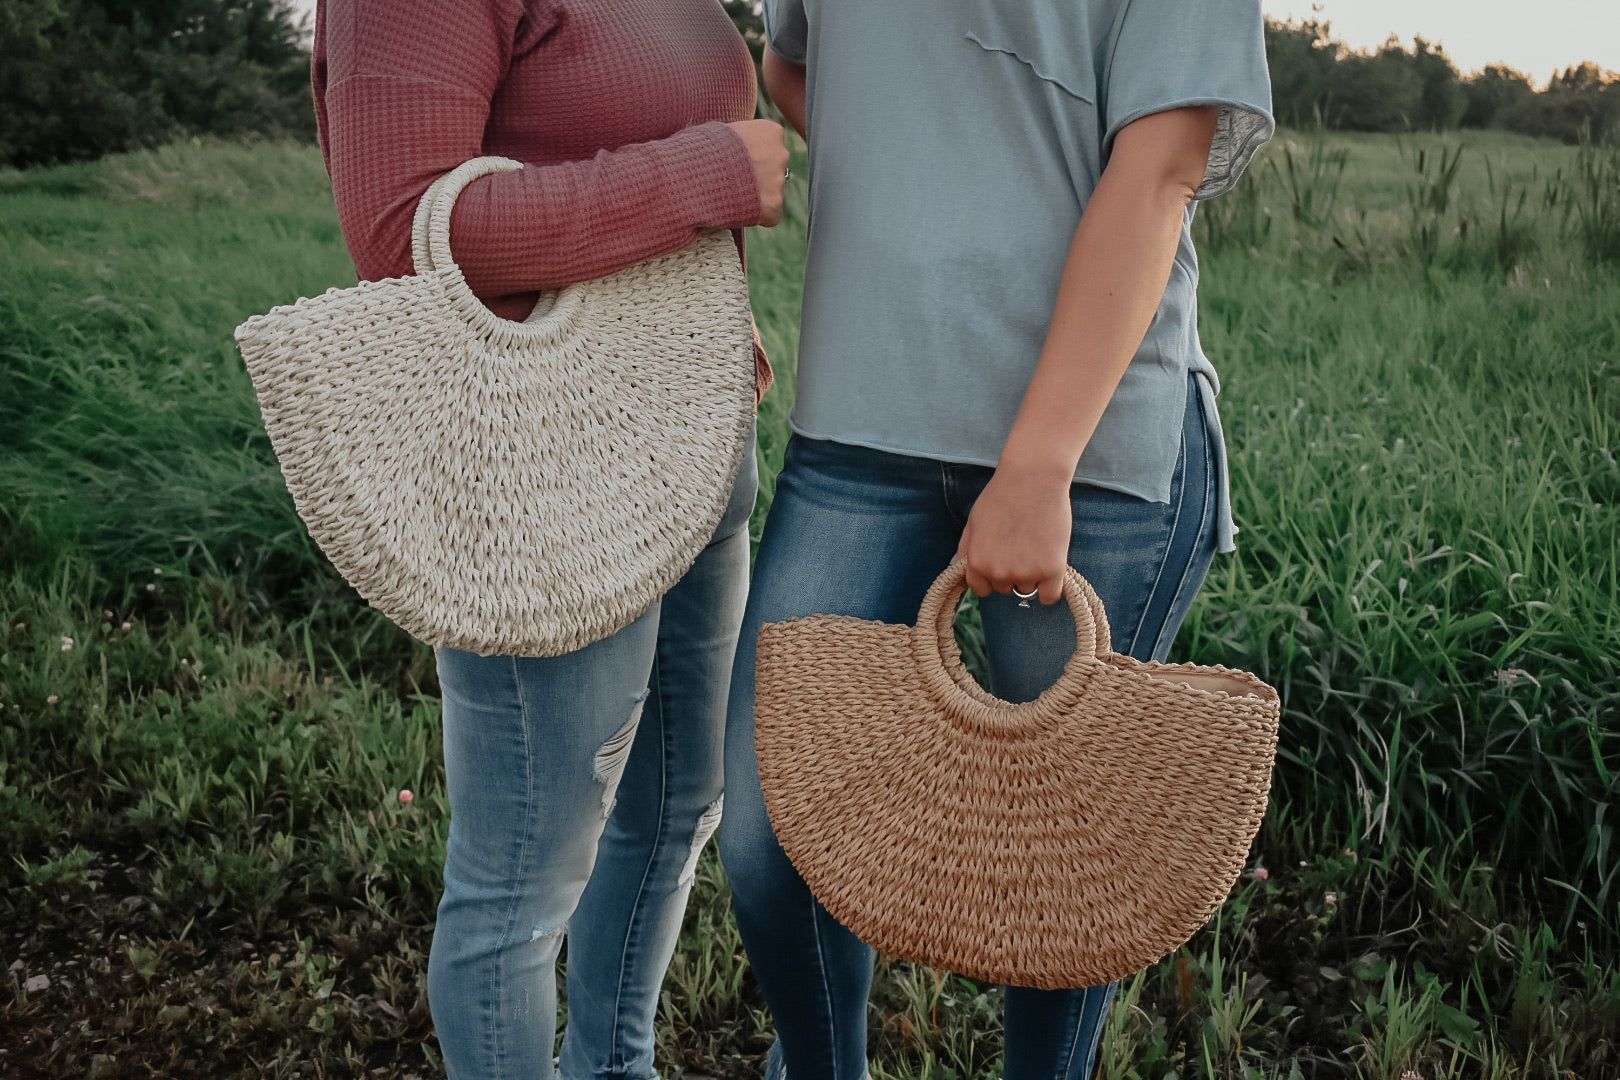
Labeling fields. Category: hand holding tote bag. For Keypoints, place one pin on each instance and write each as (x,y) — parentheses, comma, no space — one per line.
(505,487)
(1065,842)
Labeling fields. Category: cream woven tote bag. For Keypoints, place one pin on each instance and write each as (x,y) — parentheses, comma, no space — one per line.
(1065,842)
(502,487)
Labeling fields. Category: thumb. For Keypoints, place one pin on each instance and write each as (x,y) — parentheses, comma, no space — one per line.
(1051,589)
(962,544)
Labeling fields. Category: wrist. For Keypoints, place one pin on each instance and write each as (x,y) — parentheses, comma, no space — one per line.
(1042,461)
(738,188)
(1036,467)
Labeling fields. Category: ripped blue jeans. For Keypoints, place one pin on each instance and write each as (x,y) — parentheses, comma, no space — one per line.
(582,788)
(861,532)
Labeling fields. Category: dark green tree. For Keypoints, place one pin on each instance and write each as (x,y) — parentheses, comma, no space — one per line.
(23,20)
(1492,94)
(1315,78)
(82,78)
(1441,100)
(1378,92)
(1301,56)
(1580,103)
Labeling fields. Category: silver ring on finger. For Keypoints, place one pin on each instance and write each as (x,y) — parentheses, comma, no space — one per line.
(1025,597)
(787,174)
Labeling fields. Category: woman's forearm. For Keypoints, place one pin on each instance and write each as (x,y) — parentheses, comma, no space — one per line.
(1118,265)
(1018,533)
(396,116)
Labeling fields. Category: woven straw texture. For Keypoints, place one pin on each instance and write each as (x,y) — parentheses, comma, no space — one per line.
(501,487)
(1064,842)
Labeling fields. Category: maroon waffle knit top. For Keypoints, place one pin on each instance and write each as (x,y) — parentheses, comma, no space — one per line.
(618,109)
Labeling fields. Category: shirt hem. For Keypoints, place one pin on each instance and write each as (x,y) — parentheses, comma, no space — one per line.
(1225,526)
(1080,476)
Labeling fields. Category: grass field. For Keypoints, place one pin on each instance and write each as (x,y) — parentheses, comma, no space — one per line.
(203,736)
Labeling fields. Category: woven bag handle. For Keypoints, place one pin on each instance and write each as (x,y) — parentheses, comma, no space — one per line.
(430,227)
(547,325)
(940,660)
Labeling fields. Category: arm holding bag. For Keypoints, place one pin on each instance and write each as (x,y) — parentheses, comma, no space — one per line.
(502,487)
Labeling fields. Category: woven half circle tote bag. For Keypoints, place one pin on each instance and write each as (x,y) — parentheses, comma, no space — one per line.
(505,487)
(1065,842)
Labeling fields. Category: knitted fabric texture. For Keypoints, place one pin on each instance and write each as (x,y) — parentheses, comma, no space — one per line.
(516,488)
(1064,842)
(618,108)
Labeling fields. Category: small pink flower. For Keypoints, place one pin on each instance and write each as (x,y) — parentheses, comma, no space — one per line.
(157,571)
(67,644)
(150,587)
(1261,873)
(405,795)
(106,614)
(52,700)
(1331,900)
(126,627)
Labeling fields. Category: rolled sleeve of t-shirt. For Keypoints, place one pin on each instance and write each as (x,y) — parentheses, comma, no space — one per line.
(787,30)
(1168,54)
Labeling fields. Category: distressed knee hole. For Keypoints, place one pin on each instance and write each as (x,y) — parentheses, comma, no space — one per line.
(541,933)
(707,822)
(615,754)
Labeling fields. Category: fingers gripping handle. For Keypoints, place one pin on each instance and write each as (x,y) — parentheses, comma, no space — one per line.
(1090,620)
(941,666)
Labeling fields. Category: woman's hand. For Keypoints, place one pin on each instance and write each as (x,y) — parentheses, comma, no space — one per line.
(1017,535)
(769,153)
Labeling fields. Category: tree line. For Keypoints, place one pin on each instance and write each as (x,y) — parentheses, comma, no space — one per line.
(82,78)
(1319,80)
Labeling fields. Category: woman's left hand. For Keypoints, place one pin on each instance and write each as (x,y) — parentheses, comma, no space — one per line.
(1017,535)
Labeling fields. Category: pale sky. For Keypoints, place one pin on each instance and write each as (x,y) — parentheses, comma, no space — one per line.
(1536,38)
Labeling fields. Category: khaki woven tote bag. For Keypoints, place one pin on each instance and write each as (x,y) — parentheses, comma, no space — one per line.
(502,487)
(1065,842)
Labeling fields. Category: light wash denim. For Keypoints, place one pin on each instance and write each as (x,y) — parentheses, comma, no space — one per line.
(862,532)
(582,789)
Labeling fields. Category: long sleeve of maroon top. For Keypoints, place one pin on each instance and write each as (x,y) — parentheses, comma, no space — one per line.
(618,108)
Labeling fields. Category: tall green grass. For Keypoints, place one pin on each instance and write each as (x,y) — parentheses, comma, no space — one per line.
(1423,444)
(128,425)
(1420,345)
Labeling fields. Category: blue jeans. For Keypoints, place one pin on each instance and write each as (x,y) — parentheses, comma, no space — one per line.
(862,532)
(582,789)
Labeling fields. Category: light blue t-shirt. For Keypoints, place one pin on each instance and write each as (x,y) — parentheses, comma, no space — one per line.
(953,146)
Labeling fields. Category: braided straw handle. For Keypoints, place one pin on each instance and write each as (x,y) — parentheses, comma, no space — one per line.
(430,227)
(553,316)
(940,660)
